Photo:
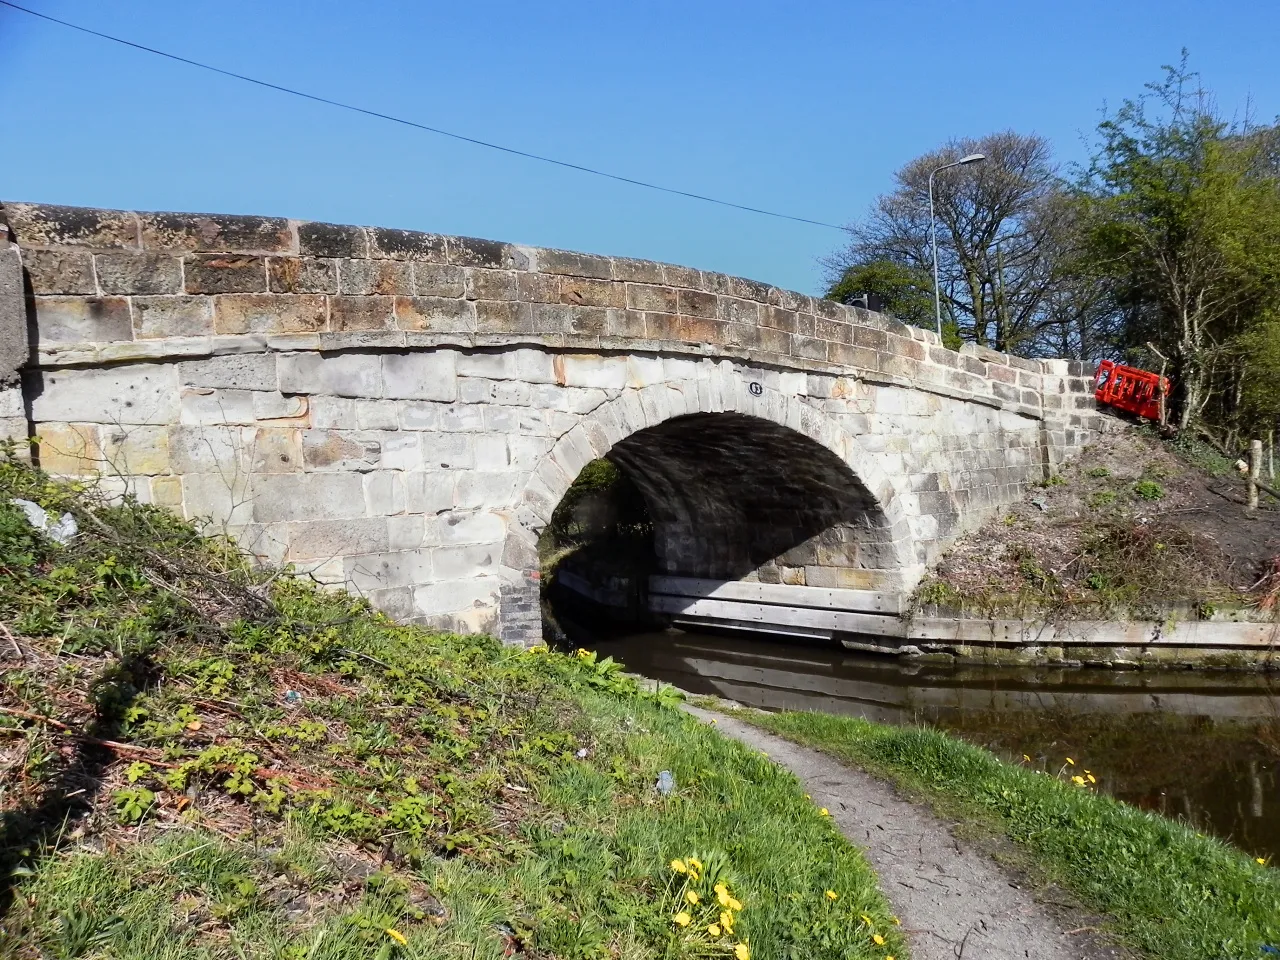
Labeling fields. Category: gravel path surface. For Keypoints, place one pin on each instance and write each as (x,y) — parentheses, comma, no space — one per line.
(954,902)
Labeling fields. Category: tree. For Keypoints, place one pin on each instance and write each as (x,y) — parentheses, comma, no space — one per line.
(994,295)
(905,292)
(1182,214)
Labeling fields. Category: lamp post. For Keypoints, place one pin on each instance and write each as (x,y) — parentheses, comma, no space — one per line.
(933,232)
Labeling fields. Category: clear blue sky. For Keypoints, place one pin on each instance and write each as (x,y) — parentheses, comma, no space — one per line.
(806,108)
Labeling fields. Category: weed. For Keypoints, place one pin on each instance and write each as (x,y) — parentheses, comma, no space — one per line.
(1098,472)
(1103,498)
(1148,490)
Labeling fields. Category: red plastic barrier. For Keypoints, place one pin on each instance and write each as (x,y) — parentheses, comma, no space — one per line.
(1128,388)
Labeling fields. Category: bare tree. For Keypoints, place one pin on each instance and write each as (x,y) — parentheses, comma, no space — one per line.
(999,226)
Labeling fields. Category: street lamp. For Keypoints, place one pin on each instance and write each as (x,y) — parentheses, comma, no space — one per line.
(933,232)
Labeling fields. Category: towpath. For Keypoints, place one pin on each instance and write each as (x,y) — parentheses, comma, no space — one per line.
(954,902)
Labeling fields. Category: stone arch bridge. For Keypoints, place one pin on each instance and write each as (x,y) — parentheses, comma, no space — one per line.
(401,412)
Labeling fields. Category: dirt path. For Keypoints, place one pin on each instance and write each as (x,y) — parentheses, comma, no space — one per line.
(954,902)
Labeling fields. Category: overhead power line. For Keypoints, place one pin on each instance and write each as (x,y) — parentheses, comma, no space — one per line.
(418,126)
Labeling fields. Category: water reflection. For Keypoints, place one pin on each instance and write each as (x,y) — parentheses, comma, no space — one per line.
(1203,747)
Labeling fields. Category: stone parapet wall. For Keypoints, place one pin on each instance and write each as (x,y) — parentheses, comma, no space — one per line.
(111,285)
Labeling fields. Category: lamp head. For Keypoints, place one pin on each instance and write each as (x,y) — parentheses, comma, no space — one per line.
(972,158)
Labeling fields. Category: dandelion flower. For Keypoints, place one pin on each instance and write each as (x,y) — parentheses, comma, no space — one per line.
(695,862)
(679,867)
(1078,781)
(825,812)
(866,920)
(742,952)
(1261,861)
(720,888)
(1026,758)
(735,903)
(395,935)
(692,897)
(723,897)
(896,921)
(1070,761)
(682,919)
(726,921)
(877,940)
(832,895)
(1092,778)
(714,929)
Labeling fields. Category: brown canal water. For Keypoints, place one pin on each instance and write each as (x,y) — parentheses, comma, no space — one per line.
(1201,747)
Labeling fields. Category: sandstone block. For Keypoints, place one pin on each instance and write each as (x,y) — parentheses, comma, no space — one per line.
(628,324)
(249,371)
(584,292)
(134,393)
(388,244)
(163,317)
(83,319)
(306,496)
(48,225)
(59,271)
(361,313)
(474,252)
(321,539)
(429,491)
(375,277)
(135,450)
(277,450)
(471,528)
(421,375)
(589,370)
(460,562)
(69,449)
(221,500)
(199,232)
(695,303)
(138,273)
(382,570)
(438,280)
(302,275)
(503,316)
(470,594)
(384,493)
(447,450)
(636,271)
(644,297)
(487,489)
(567,263)
(332,240)
(404,532)
(208,406)
(435,315)
(340,375)
(677,276)
(225,273)
(167,492)
(538,287)
(485,284)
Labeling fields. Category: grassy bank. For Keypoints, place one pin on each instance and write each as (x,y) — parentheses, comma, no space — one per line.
(203,759)
(1173,892)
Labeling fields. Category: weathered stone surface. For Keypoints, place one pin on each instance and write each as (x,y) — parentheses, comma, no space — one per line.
(473,252)
(46,225)
(136,393)
(435,314)
(269,313)
(197,233)
(332,240)
(388,244)
(58,271)
(138,273)
(162,317)
(375,277)
(225,273)
(342,375)
(420,376)
(438,280)
(82,319)
(302,275)
(361,313)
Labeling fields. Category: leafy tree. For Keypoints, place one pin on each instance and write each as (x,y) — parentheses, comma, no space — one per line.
(991,294)
(906,293)
(1182,219)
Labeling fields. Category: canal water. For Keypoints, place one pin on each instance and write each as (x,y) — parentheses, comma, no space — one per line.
(1201,747)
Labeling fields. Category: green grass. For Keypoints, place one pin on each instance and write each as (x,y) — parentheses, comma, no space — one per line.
(208,760)
(1168,890)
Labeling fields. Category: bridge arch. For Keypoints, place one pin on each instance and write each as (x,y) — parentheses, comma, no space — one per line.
(734,479)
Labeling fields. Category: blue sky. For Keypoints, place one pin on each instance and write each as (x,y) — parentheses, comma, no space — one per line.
(805,108)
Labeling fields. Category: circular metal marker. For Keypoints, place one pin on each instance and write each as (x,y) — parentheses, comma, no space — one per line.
(756,389)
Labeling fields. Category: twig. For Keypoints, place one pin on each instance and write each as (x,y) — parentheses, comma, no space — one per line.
(114,745)
(16,648)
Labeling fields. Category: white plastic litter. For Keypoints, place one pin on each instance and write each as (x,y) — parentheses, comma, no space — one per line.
(59,531)
(666,783)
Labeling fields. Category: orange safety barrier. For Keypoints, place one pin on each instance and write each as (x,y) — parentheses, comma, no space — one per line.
(1128,388)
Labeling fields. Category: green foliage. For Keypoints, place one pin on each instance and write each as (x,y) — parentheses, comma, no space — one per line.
(1148,490)
(1103,498)
(907,293)
(133,803)
(1098,472)
(1170,891)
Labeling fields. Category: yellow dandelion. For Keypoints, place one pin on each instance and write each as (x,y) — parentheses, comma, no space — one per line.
(695,862)
(825,812)
(726,921)
(889,957)
(682,919)
(1261,861)
(396,935)
(832,895)
(735,903)
(692,897)
(1026,758)
(679,867)
(714,930)
(1070,761)
(896,921)
(742,952)
(714,721)
(723,897)
(877,940)
(807,797)
(1078,781)
(866,920)
(720,888)
(1092,778)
